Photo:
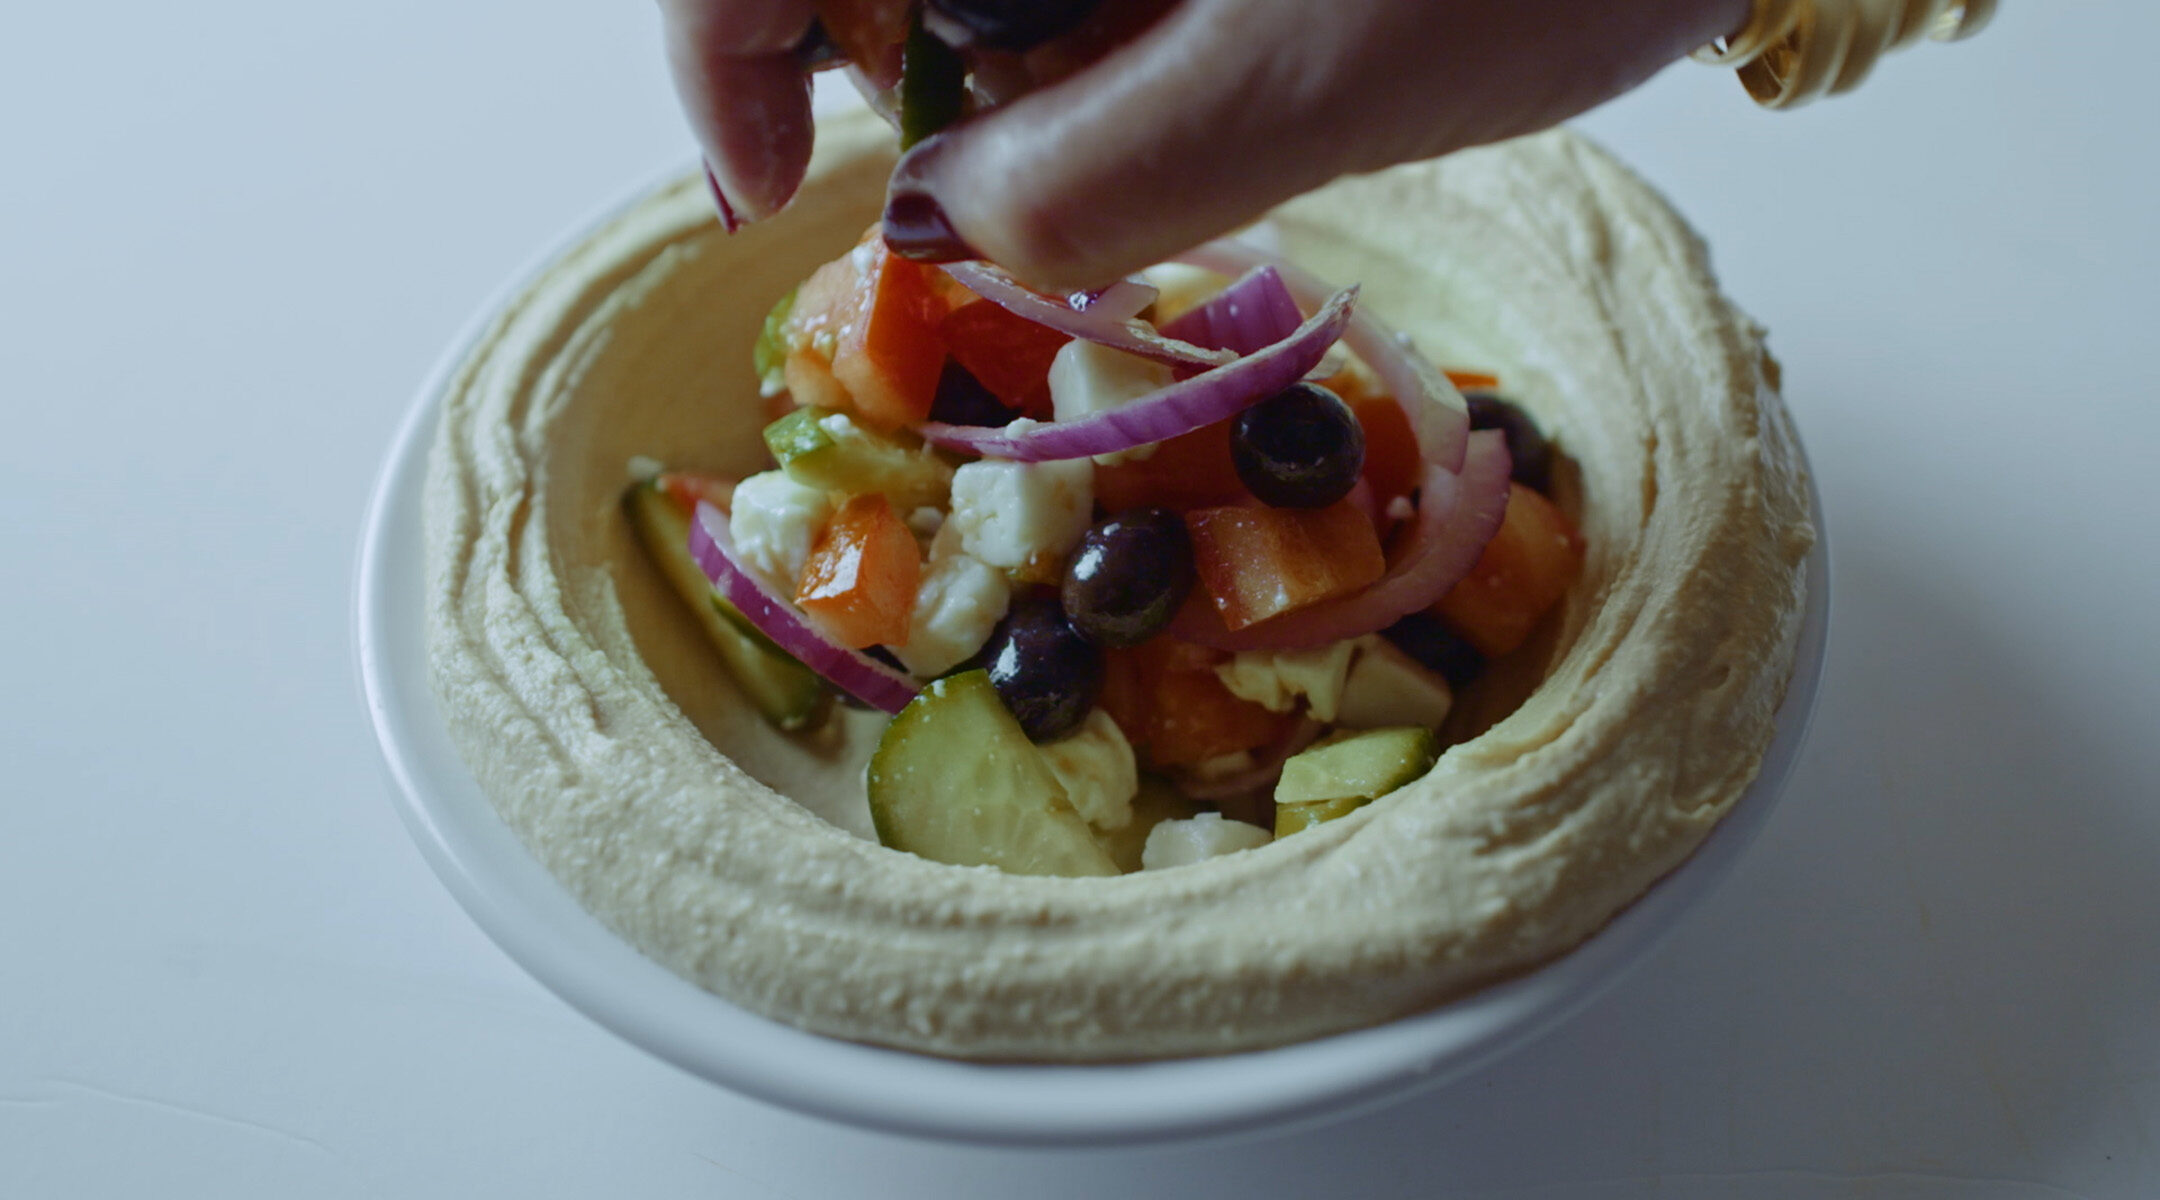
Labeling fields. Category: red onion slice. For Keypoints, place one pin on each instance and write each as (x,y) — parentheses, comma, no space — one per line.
(1456,516)
(789,627)
(1251,314)
(1104,318)
(1182,407)
(1436,409)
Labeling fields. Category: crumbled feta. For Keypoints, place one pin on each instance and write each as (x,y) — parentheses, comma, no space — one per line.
(945,542)
(1095,763)
(1014,514)
(774,520)
(863,257)
(926,521)
(1209,835)
(1087,378)
(957,604)
(1274,679)
(1387,687)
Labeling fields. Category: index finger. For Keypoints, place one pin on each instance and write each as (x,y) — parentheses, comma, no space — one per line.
(742,28)
(746,97)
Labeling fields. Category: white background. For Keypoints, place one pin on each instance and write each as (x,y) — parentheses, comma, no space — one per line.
(233,238)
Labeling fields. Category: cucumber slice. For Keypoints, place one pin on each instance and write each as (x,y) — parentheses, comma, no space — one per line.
(1291,818)
(1358,768)
(933,85)
(787,693)
(769,354)
(955,780)
(831,451)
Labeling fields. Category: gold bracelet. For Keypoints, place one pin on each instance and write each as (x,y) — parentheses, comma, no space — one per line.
(1793,51)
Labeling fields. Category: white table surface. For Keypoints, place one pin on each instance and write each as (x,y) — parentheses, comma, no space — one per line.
(232,240)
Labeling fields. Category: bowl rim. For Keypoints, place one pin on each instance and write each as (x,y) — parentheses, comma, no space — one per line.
(541,926)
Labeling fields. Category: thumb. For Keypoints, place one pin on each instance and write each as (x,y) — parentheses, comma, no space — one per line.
(745,95)
(1154,149)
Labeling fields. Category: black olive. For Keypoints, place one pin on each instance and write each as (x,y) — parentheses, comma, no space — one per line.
(963,400)
(1528,447)
(1129,576)
(1300,448)
(1044,671)
(1427,639)
(1016,24)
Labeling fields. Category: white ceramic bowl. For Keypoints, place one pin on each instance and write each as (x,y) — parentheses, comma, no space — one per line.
(543,927)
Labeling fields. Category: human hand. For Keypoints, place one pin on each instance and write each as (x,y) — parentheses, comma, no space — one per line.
(1211,116)
(747,97)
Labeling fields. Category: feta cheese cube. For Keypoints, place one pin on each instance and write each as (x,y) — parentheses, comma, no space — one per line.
(946,541)
(1015,514)
(1387,687)
(774,521)
(1087,378)
(1209,835)
(1095,763)
(1274,679)
(960,600)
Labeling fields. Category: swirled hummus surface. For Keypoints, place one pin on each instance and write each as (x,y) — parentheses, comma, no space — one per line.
(612,741)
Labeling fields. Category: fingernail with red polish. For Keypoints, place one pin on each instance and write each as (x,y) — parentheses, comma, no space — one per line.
(916,227)
(728,220)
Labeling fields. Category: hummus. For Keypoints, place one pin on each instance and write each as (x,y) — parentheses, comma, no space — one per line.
(611,740)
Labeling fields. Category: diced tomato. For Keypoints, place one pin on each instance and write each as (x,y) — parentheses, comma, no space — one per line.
(1258,562)
(1527,567)
(1127,693)
(871,318)
(1191,470)
(953,292)
(823,303)
(1392,464)
(810,381)
(1473,381)
(861,575)
(1006,353)
(890,359)
(869,34)
(685,489)
(1197,719)
(1169,703)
